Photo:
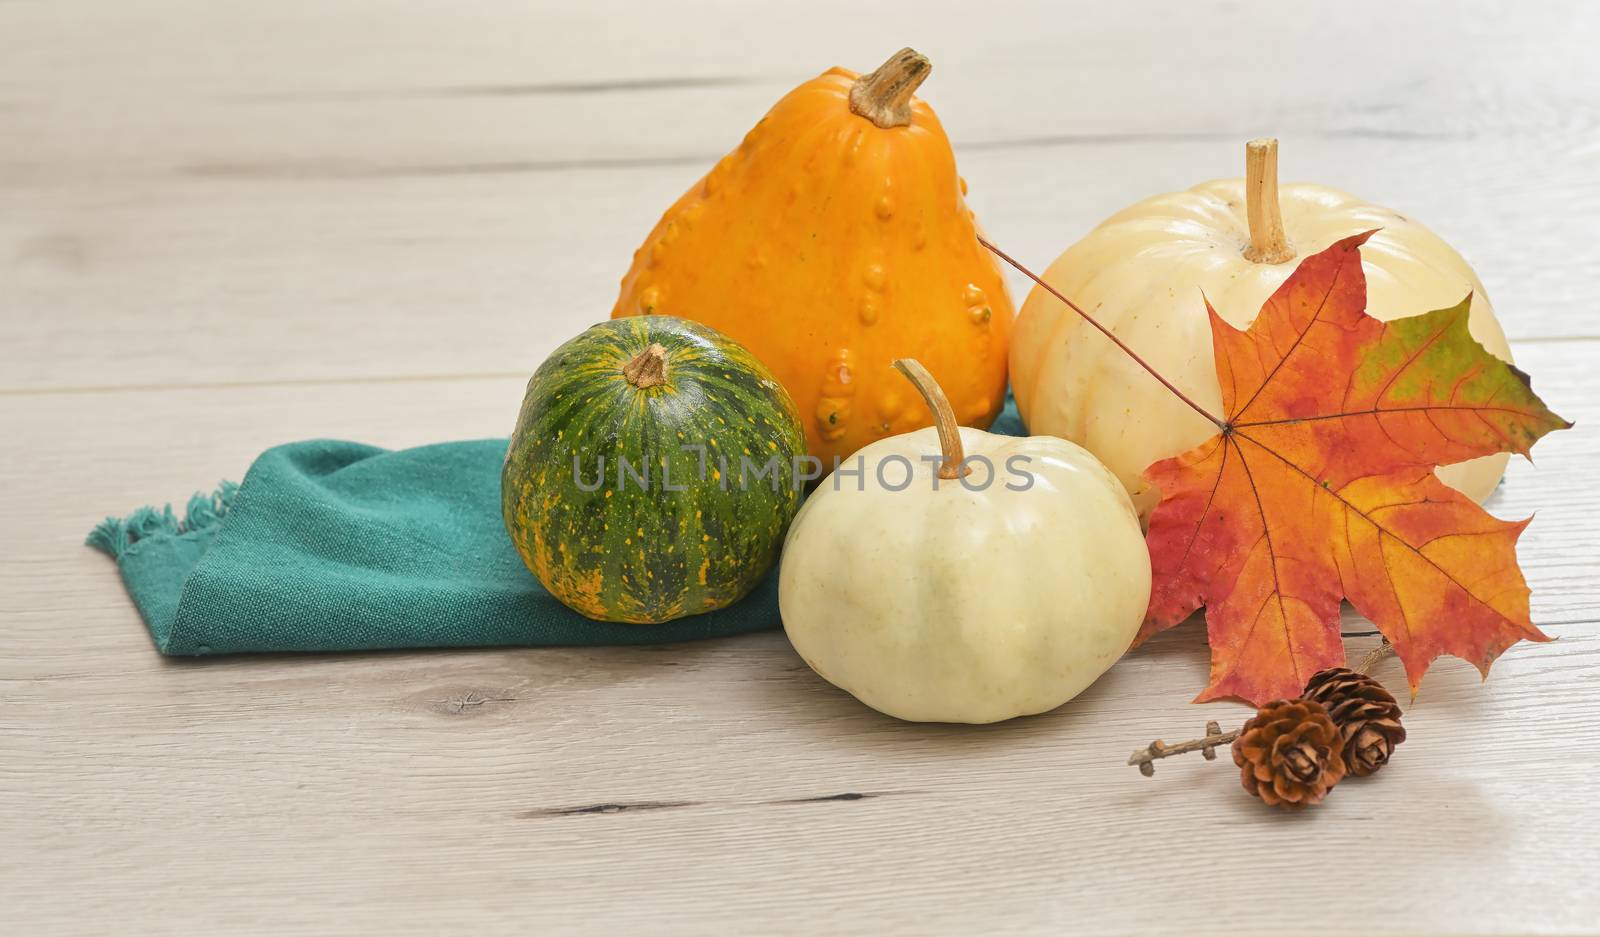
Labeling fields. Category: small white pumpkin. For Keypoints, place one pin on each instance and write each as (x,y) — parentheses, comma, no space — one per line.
(936,595)
(1142,273)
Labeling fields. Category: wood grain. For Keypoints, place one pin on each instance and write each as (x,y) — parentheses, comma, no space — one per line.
(339,219)
(227,227)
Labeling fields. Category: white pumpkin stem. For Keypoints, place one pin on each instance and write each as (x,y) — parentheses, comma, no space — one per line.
(648,368)
(944,418)
(1268,244)
(884,96)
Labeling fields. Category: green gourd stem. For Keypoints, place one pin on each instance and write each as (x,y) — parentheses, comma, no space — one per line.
(648,368)
(884,96)
(944,417)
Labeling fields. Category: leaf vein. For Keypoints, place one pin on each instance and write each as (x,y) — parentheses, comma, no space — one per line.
(1298,339)
(1446,574)
(1272,560)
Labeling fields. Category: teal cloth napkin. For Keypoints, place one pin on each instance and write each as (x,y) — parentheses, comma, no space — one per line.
(338,546)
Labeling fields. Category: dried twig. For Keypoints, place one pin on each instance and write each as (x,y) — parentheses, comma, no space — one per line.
(1146,757)
(1375,656)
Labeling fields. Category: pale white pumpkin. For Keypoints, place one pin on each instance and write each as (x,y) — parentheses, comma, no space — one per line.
(937,597)
(1142,274)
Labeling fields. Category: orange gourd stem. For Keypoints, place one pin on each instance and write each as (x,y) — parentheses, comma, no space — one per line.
(944,418)
(884,96)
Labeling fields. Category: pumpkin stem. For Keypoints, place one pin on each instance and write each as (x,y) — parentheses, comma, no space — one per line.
(944,418)
(884,96)
(1268,244)
(648,368)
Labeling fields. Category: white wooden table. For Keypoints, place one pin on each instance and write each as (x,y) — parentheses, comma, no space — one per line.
(226,226)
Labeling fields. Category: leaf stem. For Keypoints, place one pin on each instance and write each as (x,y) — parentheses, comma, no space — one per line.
(1215,420)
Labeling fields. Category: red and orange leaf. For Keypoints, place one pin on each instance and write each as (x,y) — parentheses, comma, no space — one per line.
(1320,487)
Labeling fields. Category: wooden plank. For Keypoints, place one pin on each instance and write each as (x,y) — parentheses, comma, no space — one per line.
(212,216)
(159,283)
(316,84)
(710,786)
(223,227)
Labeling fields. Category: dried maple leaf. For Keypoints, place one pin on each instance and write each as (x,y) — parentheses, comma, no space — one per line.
(1320,486)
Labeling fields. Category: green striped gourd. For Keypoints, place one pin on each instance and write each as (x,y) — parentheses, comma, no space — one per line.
(652,471)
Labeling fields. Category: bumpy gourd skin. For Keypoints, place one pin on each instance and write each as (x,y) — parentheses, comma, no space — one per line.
(619,553)
(830,246)
(1146,274)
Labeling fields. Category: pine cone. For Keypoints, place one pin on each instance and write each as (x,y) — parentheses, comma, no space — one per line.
(1367,716)
(1288,753)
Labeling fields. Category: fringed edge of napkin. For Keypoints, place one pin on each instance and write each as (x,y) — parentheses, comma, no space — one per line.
(114,535)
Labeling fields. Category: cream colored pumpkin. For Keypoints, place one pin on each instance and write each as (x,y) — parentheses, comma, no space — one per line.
(974,601)
(1142,274)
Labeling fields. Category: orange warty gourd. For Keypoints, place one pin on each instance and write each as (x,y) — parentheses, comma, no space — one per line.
(834,240)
